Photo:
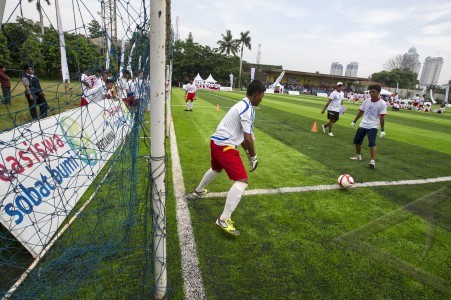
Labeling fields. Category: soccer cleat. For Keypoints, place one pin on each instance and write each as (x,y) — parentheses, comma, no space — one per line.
(331,134)
(227,226)
(357,157)
(323,128)
(195,194)
(372,164)
(203,192)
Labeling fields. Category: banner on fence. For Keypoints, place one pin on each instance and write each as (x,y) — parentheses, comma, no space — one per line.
(46,166)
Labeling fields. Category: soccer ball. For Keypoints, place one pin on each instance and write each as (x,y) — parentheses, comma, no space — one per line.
(346,181)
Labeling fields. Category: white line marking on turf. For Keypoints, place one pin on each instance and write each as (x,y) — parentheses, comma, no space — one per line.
(230,99)
(192,277)
(301,189)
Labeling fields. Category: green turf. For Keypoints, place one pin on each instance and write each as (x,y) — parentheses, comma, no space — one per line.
(368,243)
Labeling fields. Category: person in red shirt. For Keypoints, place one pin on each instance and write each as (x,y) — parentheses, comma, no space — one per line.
(6,85)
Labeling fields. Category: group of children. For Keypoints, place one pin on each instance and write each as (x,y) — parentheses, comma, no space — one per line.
(102,85)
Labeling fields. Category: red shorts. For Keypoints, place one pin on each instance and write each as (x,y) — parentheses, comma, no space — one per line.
(84,102)
(415,103)
(129,101)
(191,96)
(227,158)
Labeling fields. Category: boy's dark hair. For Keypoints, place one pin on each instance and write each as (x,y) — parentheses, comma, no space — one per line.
(375,87)
(2,66)
(27,66)
(255,87)
(109,81)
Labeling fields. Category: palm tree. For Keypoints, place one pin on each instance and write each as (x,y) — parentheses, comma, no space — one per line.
(228,45)
(41,16)
(245,41)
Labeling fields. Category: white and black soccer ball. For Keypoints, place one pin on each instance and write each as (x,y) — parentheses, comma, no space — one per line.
(346,181)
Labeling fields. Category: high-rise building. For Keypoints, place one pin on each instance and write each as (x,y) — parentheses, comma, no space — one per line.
(431,71)
(336,69)
(352,68)
(411,60)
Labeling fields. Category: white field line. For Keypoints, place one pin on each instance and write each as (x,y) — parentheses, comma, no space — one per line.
(195,106)
(229,99)
(301,189)
(192,277)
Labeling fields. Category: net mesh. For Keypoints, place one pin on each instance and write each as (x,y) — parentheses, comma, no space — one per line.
(98,153)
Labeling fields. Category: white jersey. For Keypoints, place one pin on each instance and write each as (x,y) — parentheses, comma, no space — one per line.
(190,88)
(98,82)
(89,80)
(336,99)
(371,113)
(238,120)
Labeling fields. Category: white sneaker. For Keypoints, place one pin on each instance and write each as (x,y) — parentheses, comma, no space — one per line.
(372,164)
(331,134)
(357,157)
(324,128)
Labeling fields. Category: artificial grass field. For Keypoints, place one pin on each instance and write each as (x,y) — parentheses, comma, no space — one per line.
(389,242)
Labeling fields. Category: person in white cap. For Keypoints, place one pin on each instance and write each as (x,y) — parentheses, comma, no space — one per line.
(333,107)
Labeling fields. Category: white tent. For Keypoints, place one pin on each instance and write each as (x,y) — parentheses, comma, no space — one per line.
(210,79)
(198,78)
(383,92)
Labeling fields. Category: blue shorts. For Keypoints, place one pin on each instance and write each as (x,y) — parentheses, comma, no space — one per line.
(333,115)
(360,135)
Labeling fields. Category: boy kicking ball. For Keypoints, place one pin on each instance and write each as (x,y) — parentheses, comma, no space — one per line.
(373,110)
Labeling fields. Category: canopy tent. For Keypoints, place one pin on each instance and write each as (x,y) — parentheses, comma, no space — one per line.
(383,92)
(198,78)
(210,79)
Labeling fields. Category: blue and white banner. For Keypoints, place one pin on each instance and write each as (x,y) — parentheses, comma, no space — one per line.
(46,166)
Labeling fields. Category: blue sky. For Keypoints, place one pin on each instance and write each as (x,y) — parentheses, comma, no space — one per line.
(306,35)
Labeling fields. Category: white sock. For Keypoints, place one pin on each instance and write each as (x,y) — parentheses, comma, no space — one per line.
(208,177)
(191,104)
(233,198)
(187,105)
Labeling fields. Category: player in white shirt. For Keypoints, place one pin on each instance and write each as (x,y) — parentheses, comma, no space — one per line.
(373,111)
(190,95)
(333,107)
(236,128)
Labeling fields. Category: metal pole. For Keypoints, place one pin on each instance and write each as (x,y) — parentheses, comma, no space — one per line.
(168,97)
(157,130)
(2,10)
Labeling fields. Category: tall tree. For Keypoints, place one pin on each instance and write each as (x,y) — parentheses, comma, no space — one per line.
(244,41)
(405,79)
(5,58)
(400,62)
(41,16)
(228,45)
(94,29)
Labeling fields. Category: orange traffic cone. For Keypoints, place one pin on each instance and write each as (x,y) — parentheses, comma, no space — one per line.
(217,107)
(314,127)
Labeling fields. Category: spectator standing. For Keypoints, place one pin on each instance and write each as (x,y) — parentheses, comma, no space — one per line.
(373,111)
(6,85)
(87,82)
(333,107)
(34,94)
